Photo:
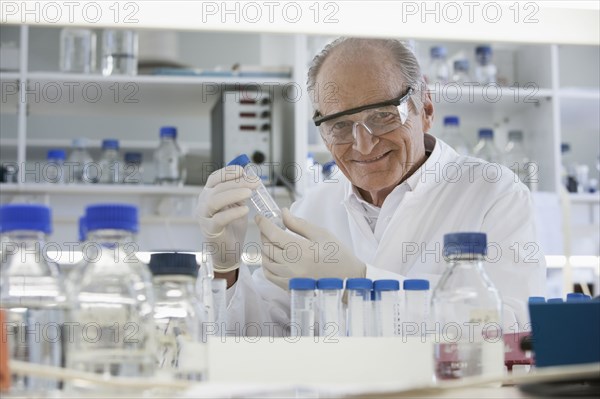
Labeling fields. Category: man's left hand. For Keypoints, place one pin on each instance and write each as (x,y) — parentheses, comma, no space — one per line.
(312,252)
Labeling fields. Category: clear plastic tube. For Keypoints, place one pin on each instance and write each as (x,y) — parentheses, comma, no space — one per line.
(302,291)
(387,303)
(358,310)
(330,306)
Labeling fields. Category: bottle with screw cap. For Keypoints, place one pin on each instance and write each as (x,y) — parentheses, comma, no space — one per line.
(485,147)
(133,172)
(81,164)
(451,135)
(461,71)
(168,158)
(485,72)
(439,72)
(516,158)
(54,169)
(110,164)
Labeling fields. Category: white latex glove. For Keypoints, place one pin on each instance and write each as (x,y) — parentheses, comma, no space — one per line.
(222,214)
(313,252)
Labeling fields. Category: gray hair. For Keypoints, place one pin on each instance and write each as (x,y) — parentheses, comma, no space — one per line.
(405,60)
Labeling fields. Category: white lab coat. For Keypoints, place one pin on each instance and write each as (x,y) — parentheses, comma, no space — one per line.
(449,193)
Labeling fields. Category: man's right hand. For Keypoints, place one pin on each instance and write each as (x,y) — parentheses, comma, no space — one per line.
(222,214)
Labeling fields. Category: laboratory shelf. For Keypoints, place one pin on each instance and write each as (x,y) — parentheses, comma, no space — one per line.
(580,93)
(124,144)
(10,76)
(94,189)
(585,198)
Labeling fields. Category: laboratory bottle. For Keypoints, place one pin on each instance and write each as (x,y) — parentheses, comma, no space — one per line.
(517,160)
(461,71)
(466,309)
(439,72)
(53,172)
(387,307)
(133,172)
(302,312)
(169,158)
(77,50)
(114,295)
(451,135)
(359,306)
(416,305)
(119,52)
(485,147)
(33,297)
(485,71)
(329,303)
(81,164)
(110,165)
(261,199)
(179,316)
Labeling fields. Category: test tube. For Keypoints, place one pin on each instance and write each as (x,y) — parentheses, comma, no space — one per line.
(219,293)
(330,306)
(302,305)
(262,200)
(387,302)
(416,303)
(359,306)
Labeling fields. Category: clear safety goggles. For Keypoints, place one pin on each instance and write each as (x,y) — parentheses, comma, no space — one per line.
(377,119)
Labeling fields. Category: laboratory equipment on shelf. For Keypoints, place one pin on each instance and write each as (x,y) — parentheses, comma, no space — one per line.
(485,147)
(168,158)
(179,316)
(302,304)
(261,199)
(81,168)
(32,296)
(416,306)
(358,309)
(114,294)
(329,304)
(516,158)
(133,171)
(119,52)
(461,71)
(77,50)
(110,167)
(485,71)
(451,135)
(54,171)
(387,307)
(439,71)
(466,309)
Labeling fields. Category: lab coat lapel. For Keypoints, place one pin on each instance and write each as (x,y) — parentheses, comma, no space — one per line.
(363,240)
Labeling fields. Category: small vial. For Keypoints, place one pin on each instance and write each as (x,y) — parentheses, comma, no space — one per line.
(359,306)
(109,162)
(387,306)
(53,172)
(329,291)
(485,71)
(262,200)
(416,303)
(133,172)
(302,305)
(461,71)
(438,67)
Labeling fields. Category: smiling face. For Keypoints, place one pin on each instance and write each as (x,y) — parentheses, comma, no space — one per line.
(375,165)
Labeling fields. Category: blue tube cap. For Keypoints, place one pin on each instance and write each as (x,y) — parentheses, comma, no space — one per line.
(241,160)
(302,284)
(486,133)
(415,285)
(110,144)
(330,284)
(359,284)
(112,216)
(56,154)
(555,300)
(25,217)
(451,120)
(536,299)
(386,285)
(577,297)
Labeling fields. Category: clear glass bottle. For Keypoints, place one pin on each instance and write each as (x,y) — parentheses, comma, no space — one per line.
(119,52)
(358,311)
(262,200)
(485,147)
(115,334)
(516,158)
(80,164)
(439,71)
(461,71)
(53,171)
(179,316)
(329,300)
(467,311)
(169,158)
(451,135)
(110,164)
(485,71)
(32,295)
(387,306)
(77,50)
(302,314)
(133,171)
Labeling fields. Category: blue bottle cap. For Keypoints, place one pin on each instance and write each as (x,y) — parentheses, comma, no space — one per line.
(168,131)
(330,284)
(302,284)
(483,50)
(577,297)
(555,300)
(536,299)
(133,157)
(415,285)
(461,65)
(82,229)
(173,263)
(386,285)
(110,144)
(56,154)
(437,51)
(25,217)
(451,121)
(359,284)
(112,216)
(241,160)
(465,243)
(486,133)
(565,147)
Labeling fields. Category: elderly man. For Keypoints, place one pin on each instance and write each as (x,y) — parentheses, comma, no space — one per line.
(401,191)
